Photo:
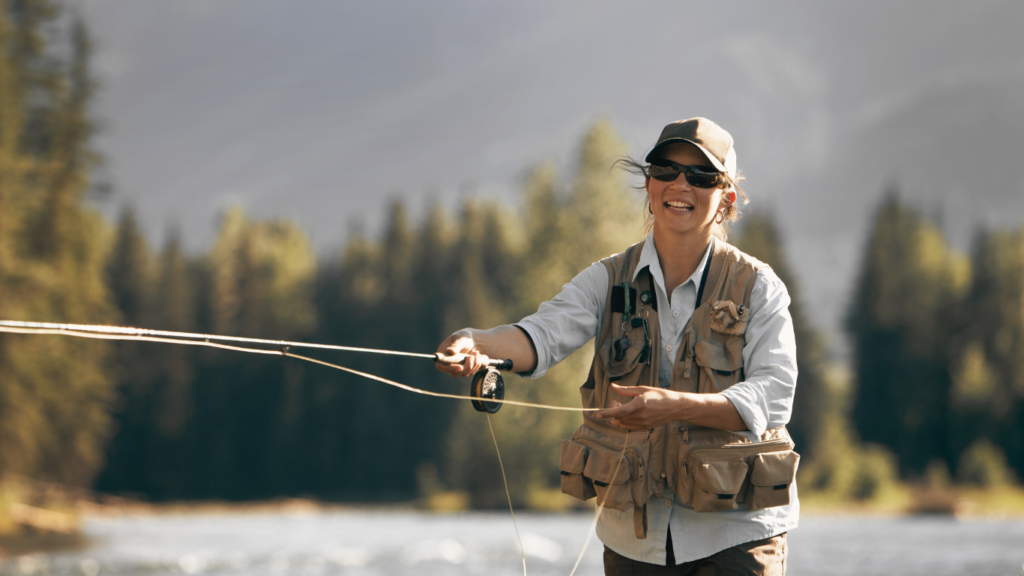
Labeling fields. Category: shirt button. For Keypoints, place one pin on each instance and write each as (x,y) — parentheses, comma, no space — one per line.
(662,474)
(675,313)
(669,347)
(668,502)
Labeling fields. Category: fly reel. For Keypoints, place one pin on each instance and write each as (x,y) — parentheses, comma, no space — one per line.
(487,385)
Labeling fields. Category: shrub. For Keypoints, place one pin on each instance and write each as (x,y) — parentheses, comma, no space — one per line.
(984,464)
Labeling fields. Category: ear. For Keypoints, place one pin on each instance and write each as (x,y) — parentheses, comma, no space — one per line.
(730,196)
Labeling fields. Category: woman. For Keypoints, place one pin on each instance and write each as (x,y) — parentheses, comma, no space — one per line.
(694,372)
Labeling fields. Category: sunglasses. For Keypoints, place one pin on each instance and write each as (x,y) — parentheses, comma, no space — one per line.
(699,176)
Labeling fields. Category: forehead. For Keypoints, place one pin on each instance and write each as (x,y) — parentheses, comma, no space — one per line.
(685,153)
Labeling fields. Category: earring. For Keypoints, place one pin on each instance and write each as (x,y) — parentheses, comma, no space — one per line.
(719,217)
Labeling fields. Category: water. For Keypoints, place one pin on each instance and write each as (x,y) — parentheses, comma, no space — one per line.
(406,542)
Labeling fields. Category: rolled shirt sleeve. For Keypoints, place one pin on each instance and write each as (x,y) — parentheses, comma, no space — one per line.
(569,320)
(765,399)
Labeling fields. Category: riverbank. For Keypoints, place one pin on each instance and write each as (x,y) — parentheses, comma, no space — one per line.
(1002,502)
(412,542)
(24,534)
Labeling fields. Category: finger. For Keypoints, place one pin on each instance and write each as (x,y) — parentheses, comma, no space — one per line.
(453,370)
(628,426)
(460,345)
(632,391)
(619,411)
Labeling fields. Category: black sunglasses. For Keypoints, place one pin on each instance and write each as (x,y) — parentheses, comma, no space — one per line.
(699,176)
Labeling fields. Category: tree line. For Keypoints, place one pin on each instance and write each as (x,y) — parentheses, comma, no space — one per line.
(937,336)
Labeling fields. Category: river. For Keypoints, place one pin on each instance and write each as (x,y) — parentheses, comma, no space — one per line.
(407,542)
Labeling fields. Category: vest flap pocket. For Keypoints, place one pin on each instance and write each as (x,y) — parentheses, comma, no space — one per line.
(572,462)
(573,457)
(720,476)
(775,468)
(610,473)
(607,467)
(771,478)
(719,357)
(717,483)
(628,361)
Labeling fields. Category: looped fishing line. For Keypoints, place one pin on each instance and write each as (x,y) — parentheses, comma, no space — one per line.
(209,340)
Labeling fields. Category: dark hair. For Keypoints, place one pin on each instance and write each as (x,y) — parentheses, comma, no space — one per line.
(731,213)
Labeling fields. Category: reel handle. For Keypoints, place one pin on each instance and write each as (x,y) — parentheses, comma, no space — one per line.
(460,358)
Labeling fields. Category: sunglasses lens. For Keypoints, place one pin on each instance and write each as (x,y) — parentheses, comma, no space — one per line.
(695,175)
(664,173)
(702,179)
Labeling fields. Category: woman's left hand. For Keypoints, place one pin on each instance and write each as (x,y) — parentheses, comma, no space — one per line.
(649,407)
(652,407)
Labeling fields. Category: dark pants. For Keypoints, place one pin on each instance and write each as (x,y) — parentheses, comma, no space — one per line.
(759,558)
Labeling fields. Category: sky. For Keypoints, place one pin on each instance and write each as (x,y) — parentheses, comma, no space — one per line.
(325,112)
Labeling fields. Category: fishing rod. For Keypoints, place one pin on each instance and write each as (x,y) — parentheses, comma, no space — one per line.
(487,389)
(486,386)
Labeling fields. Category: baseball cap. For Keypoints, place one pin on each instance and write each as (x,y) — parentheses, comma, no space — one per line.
(708,137)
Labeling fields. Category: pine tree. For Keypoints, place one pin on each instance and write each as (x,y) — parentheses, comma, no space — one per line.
(54,392)
(129,276)
(988,359)
(899,324)
(761,239)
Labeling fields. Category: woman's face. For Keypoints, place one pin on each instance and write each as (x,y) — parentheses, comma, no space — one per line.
(680,208)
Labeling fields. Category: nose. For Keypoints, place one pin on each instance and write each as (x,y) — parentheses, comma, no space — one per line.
(679,183)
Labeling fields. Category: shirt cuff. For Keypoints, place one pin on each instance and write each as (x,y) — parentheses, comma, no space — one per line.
(531,334)
(746,403)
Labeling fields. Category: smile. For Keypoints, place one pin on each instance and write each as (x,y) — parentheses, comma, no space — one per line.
(679,205)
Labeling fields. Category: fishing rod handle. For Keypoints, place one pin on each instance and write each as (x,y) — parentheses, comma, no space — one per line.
(460,358)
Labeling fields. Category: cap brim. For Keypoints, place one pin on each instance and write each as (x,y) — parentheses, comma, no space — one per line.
(661,146)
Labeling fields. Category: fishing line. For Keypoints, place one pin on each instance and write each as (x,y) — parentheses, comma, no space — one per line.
(207,340)
(283,347)
(508,494)
(600,507)
(125,330)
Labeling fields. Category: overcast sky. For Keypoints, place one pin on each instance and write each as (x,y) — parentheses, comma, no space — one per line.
(324,111)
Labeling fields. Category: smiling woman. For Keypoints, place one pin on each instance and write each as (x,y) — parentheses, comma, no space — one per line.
(695,354)
(700,174)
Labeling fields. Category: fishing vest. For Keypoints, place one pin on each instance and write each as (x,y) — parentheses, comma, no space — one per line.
(711,470)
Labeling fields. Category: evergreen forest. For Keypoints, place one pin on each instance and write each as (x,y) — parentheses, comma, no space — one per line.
(934,386)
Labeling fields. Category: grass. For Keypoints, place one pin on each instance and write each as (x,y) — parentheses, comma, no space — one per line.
(906,498)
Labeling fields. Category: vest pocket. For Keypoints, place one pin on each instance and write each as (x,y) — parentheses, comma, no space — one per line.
(622,369)
(770,480)
(616,478)
(720,364)
(717,483)
(571,463)
(610,472)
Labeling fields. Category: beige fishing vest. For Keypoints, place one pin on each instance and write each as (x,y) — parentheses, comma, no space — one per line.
(711,470)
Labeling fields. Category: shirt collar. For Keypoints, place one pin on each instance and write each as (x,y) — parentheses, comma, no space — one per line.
(649,258)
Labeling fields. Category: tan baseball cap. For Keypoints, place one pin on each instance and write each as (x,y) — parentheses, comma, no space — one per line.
(709,137)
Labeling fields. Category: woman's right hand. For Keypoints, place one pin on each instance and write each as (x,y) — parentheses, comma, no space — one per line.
(461,342)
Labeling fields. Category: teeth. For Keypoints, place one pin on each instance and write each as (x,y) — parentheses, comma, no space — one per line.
(675,204)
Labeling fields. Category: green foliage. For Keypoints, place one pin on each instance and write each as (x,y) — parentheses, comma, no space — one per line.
(844,469)
(55,393)
(984,464)
(901,326)
(760,237)
(938,341)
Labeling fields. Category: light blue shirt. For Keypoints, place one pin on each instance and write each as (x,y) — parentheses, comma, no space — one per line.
(764,400)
